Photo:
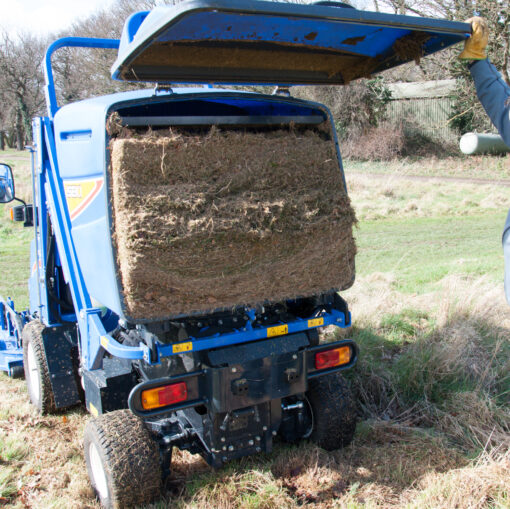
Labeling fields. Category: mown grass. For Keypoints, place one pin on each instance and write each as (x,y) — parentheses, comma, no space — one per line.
(432,381)
(484,167)
(14,238)
(421,251)
(394,196)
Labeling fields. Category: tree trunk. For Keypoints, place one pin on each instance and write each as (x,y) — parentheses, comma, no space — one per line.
(10,139)
(25,117)
(2,141)
(20,137)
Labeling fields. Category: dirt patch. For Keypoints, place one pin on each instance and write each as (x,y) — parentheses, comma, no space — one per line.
(218,219)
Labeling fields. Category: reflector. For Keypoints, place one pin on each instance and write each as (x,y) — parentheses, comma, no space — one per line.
(333,358)
(164,396)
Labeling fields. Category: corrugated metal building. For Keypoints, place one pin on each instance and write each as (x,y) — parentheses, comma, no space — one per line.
(428,104)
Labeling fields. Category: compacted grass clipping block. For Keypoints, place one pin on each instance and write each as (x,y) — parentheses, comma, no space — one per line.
(220,218)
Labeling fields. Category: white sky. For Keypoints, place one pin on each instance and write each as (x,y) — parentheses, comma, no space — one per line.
(44,16)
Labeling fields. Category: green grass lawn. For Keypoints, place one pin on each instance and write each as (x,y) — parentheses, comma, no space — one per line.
(421,251)
(15,262)
(14,238)
(484,167)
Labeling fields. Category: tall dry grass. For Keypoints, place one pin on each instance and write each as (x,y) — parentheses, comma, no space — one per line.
(448,365)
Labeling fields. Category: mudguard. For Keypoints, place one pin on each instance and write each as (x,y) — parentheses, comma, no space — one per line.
(60,355)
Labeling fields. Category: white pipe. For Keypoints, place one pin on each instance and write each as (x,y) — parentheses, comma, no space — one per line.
(473,143)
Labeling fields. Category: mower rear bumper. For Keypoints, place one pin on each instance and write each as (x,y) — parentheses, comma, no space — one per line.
(236,404)
(246,375)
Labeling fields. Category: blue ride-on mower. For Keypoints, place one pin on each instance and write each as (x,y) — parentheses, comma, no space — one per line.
(190,243)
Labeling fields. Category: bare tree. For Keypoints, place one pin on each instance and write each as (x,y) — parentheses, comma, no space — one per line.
(21,83)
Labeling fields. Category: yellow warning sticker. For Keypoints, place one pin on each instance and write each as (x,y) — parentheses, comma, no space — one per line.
(182,347)
(104,342)
(93,410)
(316,322)
(279,330)
(80,194)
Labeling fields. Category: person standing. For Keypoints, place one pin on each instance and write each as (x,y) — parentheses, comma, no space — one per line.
(494,94)
(492,90)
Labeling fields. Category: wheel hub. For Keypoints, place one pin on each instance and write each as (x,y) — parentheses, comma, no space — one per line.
(98,472)
(34,377)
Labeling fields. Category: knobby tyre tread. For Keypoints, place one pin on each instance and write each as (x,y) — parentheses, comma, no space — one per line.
(45,400)
(334,411)
(130,459)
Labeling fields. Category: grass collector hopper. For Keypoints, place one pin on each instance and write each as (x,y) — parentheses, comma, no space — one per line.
(190,242)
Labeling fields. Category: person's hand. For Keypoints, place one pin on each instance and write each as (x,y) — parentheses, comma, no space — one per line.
(475,47)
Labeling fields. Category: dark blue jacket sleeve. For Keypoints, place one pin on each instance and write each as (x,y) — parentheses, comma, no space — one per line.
(494,94)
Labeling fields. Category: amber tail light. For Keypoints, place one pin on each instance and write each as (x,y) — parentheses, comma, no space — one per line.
(333,358)
(164,396)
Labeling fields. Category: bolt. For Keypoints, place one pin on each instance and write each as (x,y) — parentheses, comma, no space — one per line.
(264,428)
(82,314)
(223,439)
(274,433)
(230,448)
(257,439)
(224,459)
(224,448)
(220,322)
(339,320)
(258,449)
(294,356)
(234,370)
(250,443)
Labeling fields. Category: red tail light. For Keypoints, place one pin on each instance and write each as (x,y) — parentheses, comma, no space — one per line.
(333,358)
(164,396)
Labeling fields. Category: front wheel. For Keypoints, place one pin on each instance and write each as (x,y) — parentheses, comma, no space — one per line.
(122,460)
(36,370)
(334,411)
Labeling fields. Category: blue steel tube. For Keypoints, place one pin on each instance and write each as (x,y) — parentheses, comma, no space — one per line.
(68,42)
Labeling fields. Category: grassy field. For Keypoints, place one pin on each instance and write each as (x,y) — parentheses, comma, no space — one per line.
(433,379)
(489,167)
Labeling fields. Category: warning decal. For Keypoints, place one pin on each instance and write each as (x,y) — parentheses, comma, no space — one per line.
(80,194)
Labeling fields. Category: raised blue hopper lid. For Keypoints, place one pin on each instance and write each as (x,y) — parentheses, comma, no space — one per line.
(258,42)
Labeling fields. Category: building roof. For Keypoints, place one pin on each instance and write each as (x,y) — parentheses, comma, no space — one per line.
(423,89)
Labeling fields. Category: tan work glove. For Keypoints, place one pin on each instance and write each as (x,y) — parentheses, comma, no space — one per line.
(475,46)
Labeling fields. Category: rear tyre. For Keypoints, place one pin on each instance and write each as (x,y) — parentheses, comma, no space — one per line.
(36,368)
(17,372)
(334,411)
(122,460)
